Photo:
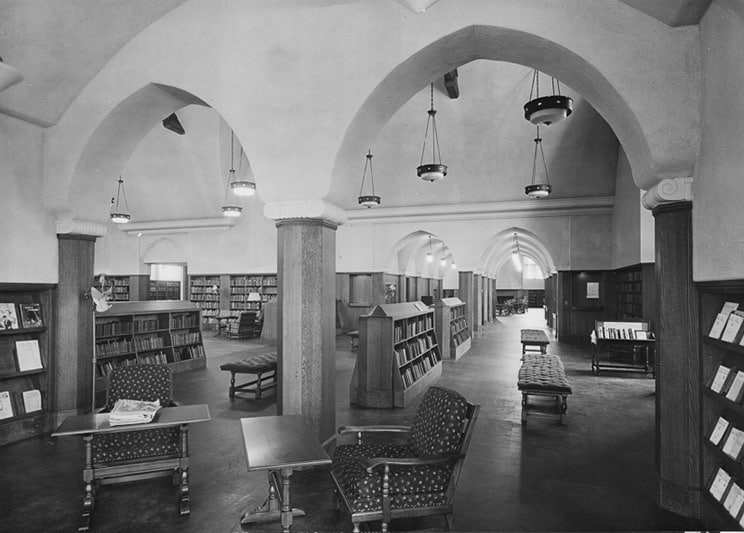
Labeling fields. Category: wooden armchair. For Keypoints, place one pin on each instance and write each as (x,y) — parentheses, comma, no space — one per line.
(416,478)
(247,325)
(127,455)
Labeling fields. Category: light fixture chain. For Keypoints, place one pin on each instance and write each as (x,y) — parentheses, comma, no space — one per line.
(426,134)
(545,165)
(371,174)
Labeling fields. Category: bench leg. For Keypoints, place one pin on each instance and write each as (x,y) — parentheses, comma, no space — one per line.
(232,385)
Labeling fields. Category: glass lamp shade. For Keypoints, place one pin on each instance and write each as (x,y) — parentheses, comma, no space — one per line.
(120,218)
(369,200)
(254,297)
(547,110)
(454,265)
(538,190)
(243,188)
(432,172)
(232,211)
(429,257)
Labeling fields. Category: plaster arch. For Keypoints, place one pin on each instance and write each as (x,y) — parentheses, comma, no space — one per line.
(497,251)
(408,255)
(164,250)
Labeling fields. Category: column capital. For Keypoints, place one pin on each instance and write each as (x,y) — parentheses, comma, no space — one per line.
(74,226)
(305,209)
(668,190)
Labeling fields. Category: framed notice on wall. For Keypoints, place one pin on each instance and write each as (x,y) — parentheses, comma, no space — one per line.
(592,290)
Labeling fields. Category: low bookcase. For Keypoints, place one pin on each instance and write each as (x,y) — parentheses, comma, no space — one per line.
(452,327)
(399,356)
(26,360)
(131,333)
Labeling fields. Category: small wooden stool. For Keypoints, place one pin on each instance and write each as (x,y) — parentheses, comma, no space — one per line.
(263,365)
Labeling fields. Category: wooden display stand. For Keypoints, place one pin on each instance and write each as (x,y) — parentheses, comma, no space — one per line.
(21,416)
(148,332)
(631,337)
(451,324)
(399,356)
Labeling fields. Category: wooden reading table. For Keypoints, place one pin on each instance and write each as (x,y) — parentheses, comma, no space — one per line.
(630,338)
(97,423)
(279,444)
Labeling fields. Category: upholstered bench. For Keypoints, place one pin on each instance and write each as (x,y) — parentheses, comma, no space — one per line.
(543,375)
(262,364)
(534,337)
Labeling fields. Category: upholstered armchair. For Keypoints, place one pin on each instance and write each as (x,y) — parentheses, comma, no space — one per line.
(384,481)
(247,325)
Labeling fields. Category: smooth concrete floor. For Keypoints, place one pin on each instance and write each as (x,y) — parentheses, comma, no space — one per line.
(594,473)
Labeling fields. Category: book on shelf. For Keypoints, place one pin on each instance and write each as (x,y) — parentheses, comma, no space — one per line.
(717,328)
(719,430)
(133,412)
(722,380)
(6,406)
(733,325)
(719,484)
(734,500)
(734,443)
(736,390)
(31,316)
(28,354)
(729,307)
(8,317)
(31,400)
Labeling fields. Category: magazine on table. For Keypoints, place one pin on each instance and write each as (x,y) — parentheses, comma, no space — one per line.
(133,412)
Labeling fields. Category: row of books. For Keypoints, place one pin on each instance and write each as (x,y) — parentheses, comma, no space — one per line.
(186,337)
(416,370)
(622,333)
(728,381)
(20,316)
(726,491)
(104,368)
(147,324)
(190,320)
(414,348)
(16,404)
(461,337)
(204,297)
(727,325)
(250,281)
(157,358)
(185,353)
(240,306)
(114,347)
(728,438)
(149,343)
(405,329)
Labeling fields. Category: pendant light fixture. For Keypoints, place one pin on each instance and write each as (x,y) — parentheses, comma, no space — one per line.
(538,189)
(442,262)
(368,200)
(547,110)
(453,265)
(429,255)
(516,258)
(231,210)
(119,213)
(240,187)
(433,171)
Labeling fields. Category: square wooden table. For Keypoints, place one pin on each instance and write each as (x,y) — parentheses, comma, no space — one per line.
(279,444)
(97,423)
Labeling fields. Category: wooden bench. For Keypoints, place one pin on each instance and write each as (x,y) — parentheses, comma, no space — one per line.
(543,375)
(534,337)
(354,337)
(262,364)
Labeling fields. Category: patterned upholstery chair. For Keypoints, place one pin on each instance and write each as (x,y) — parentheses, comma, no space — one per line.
(383,481)
(123,456)
(247,325)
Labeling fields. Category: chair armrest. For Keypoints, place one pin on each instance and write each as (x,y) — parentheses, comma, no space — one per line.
(360,430)
(410,461)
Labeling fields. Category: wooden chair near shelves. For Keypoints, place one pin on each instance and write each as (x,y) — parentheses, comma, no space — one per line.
(389,480)
(247,325)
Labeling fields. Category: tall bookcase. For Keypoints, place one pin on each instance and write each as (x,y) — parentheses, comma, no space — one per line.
(399,356)
(26,322)
(243,285)
(164,290)
(204,291)
(452,327)
(148,332)
(717,406)
(635,293)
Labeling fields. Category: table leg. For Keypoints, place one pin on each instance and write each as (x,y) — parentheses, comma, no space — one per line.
(88,501)
(273,507)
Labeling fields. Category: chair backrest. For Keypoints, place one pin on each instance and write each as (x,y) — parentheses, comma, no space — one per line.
(140,382)
(441,423)
(247,318)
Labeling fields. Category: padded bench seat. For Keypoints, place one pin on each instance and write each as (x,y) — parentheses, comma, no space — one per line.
(543,375)
(534,337)
(262,364)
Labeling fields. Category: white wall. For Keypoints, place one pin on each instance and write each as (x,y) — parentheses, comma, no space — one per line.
(27,240)
(627,216)
(718,191)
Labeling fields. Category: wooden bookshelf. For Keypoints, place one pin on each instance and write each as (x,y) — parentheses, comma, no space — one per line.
(25,300)
(399,355)
(716,353)
(451,324)
(131,333)
(242,285)
(164,290)
(204,291)
(635,293)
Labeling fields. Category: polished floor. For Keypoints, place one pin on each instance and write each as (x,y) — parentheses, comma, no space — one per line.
(594,473)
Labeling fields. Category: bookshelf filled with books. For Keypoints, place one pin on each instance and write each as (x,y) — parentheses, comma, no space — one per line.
(399,355)
(635,293)
(248,292)
(204,291)
(450,317)
(129,333)
(25,359)
(722,378)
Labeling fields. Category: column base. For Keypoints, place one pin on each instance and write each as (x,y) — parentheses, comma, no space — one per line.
(684,501)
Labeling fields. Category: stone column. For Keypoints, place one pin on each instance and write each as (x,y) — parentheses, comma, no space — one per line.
(678,415)
(74,318)
(306,264)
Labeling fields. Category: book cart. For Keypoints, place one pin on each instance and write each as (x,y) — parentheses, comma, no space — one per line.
(399,356)
(26,359)
(163,332)
(627,345)
(452,327)
(722,425)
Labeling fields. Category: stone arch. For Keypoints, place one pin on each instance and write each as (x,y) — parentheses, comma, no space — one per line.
(497,251)
(408,255)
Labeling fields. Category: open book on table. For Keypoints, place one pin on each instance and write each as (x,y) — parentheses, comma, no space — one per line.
(133,412)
